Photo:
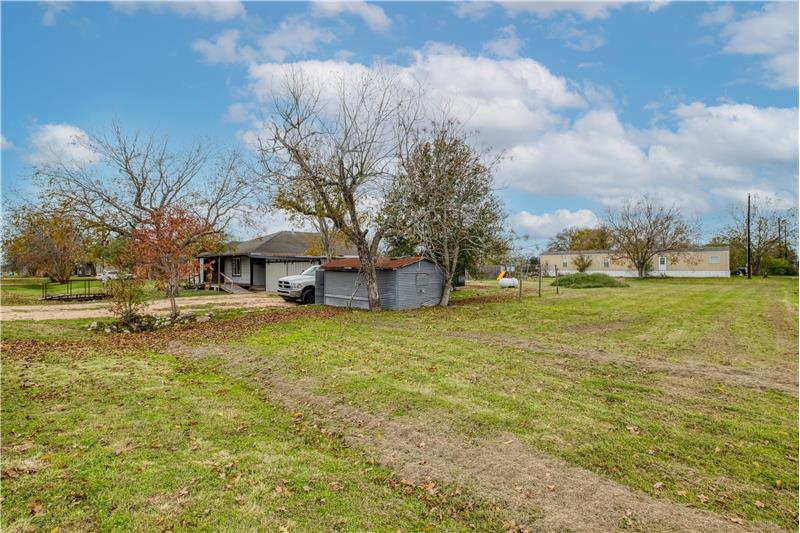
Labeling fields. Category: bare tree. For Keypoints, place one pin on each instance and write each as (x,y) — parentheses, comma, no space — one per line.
(772,231)
(136,177)
(445,203)
(643,228)
(575,238)
(306,209)
(343,154)
(583,262)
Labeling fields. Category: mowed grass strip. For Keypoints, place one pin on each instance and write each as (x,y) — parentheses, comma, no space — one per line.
(143,442)
(698,441)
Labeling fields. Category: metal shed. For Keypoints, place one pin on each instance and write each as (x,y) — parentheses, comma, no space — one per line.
(403,283)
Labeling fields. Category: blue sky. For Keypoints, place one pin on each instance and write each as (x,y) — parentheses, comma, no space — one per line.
(693,102)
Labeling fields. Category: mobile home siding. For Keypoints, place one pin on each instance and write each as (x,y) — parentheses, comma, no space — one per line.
(696,263)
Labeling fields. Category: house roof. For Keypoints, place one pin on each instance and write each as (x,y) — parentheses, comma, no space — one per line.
(381,263)
(281,244)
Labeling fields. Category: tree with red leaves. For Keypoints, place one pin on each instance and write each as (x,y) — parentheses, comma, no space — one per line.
(166,245)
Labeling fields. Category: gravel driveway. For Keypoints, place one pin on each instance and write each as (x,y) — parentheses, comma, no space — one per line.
(100,309)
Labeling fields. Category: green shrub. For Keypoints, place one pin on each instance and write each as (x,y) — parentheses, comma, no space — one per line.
(588,281)
(776,266)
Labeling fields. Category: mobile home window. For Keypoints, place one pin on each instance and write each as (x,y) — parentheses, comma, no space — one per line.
(237,266)
(605,263)
(564,262)
(714,259)
(662,260)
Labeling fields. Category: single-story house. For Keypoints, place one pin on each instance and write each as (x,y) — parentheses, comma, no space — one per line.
(259,263)
(701,262)
(403,283)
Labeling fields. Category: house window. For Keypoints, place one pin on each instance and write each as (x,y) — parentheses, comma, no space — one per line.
(662,260)
(564,262)
(237,266)
(714,259)
(605,263)
(422,280)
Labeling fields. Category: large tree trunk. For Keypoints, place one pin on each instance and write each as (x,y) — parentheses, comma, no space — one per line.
(371,277)
(446,290)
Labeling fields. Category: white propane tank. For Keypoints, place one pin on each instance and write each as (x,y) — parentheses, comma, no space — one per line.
(508,283)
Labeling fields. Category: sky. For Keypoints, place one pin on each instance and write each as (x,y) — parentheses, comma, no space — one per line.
(589,103)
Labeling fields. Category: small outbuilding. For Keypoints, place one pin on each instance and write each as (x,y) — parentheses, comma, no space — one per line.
(403,283)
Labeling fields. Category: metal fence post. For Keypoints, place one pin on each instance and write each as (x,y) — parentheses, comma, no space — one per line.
(556,280)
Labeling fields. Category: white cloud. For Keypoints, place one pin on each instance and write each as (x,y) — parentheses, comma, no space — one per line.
(373,15)
(523,109)
(5,144)
(60,143)
(52,10)
(504,99)
(574,37)
(219,10)
(586,10)
(293,36)
(474,10)
(539,227)
(224,49)
(712,150)
(770,33)
(507,43)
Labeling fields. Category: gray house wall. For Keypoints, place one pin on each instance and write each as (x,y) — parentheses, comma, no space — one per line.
(409,287)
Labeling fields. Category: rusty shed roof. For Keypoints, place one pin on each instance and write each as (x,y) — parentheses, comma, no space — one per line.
(382,263)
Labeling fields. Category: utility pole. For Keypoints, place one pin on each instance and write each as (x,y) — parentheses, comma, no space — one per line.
(748,237)
(540,276)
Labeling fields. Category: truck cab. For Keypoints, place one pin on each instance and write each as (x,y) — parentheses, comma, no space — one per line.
(299,288)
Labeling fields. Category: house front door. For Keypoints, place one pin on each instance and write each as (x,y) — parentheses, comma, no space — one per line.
(662,263)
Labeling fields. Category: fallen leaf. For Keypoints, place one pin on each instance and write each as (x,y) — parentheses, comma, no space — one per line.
(702,497)
(36,508)
(633,430)
(306,488)
(717,449)
(658,485)
(184,491)
(681,493)
(759,504)
(737,520)
(778,484)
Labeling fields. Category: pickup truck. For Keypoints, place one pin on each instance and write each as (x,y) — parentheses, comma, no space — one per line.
(299,288)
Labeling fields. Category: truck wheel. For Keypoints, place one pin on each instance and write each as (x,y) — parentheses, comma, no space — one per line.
(308,296)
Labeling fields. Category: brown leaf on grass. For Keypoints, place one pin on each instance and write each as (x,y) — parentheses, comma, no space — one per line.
(633,430)
(702,497)
(778,484)
(306,488)
(658,485)
(283,529)
(737,520)
(184,491)
(36,508)
(759,504)
(681,493)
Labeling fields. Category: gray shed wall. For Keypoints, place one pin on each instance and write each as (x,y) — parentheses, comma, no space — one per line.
(413,286)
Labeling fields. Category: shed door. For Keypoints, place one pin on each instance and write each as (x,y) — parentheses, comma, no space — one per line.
(662,263)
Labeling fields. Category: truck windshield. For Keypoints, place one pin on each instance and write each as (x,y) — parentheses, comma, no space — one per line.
(310,271)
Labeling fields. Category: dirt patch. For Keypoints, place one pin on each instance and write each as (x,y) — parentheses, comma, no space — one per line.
(213,331)
(758,378)
(540,492)
(100,310)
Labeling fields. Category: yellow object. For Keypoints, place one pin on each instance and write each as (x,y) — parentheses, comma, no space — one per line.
(502,275)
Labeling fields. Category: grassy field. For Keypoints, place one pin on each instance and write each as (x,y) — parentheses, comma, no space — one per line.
(28,291)
(681,390)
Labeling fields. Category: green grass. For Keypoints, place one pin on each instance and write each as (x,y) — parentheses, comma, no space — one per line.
(574,375)
(581,280)
(580,409)
(28,291)
(147,443)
